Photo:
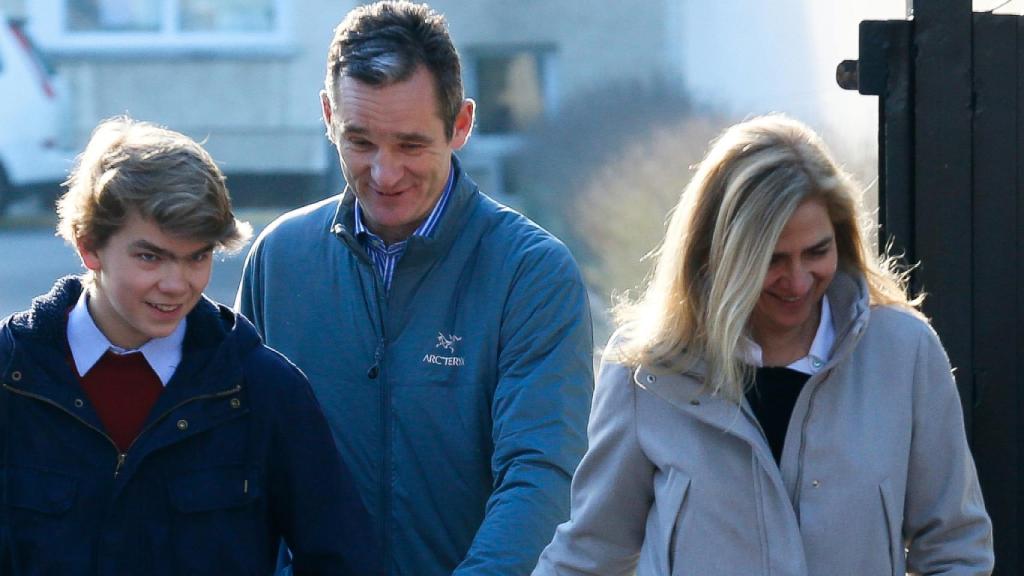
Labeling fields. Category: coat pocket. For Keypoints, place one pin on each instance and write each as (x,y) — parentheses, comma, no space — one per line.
(43,535)
(893,523)
(219,523)
(669,497)
(42,491)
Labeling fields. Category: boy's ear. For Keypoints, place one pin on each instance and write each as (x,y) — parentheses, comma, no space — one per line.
(89,257)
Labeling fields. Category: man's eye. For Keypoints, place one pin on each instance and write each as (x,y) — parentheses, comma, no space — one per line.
(147,257)
(201,257)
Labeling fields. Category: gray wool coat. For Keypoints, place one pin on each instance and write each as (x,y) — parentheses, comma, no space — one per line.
(875,478)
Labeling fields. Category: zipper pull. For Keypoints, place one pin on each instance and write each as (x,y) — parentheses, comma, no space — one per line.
(120,462)
(374,370)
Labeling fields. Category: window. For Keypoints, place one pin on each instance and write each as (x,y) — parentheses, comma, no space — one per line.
(513,87)
(125,27)
(183,15)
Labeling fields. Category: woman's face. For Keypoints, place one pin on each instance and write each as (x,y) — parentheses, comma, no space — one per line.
(801,269)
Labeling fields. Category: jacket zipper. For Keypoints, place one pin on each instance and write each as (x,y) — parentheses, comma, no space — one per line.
(385,411)
(121,456)
(374,372)
(849,341)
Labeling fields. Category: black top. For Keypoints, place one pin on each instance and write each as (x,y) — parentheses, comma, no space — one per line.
(772,398)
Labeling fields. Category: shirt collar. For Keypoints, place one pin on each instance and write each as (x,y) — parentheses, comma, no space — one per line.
(88,344)
(817,356)
(426,228)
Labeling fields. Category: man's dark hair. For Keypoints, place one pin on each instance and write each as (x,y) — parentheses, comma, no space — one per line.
(385,42)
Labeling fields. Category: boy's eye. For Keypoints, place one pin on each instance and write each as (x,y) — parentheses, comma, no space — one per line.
(201,257)
(147,257)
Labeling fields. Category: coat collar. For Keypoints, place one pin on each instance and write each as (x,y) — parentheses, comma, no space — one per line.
(37,352)
(848,295)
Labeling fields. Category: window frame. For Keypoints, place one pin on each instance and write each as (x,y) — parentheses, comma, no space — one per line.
(49,19)
(547,59)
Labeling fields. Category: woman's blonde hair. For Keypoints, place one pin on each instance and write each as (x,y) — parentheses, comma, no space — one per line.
(163,175)
(710,268)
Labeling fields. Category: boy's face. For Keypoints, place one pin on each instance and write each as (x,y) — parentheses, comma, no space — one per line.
(145,281)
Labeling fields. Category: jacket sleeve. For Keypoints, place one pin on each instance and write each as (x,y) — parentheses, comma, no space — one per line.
(312,495)
(249,298)
(945,526)
(611,492)
(539,412)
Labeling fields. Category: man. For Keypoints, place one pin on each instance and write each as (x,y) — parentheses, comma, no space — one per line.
(447,337)
(143,428)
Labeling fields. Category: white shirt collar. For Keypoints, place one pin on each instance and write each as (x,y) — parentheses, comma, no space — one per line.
(817,356)
(88,344)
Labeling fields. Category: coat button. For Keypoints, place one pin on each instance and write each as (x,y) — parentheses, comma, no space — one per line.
(79,403)
(16,376)
(182,424)
(816,483)
(651,379)
(235,402)
(694,402)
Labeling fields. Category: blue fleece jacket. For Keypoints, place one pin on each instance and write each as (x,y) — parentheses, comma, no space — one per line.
(459,399)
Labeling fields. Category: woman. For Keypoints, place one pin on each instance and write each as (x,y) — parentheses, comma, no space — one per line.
(773,404)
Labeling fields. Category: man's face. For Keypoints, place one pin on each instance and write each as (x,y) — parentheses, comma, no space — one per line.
(393,148)
(145,281)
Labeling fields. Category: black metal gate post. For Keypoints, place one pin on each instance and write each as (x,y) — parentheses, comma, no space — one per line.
(951,132)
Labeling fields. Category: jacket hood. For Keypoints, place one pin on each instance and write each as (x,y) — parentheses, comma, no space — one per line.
(850,303)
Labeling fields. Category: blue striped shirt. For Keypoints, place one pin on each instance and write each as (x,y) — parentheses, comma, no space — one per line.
(386,257)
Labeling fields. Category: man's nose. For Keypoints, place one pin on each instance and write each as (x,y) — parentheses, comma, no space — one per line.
(386,170)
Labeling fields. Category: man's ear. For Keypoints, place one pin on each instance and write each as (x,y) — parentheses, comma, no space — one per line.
(463,124)
(325,104)
(90,258)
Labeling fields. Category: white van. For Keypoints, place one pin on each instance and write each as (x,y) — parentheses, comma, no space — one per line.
(32,116)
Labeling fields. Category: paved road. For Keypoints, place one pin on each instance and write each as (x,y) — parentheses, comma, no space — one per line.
(30,260)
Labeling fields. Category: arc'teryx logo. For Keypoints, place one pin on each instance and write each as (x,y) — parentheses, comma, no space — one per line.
(445,343)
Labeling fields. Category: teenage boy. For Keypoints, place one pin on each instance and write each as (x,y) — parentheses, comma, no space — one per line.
(145,429)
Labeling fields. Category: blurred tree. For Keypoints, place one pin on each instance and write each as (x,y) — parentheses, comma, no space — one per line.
(603,173)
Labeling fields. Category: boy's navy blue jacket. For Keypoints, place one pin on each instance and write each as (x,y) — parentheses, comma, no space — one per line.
(235,455)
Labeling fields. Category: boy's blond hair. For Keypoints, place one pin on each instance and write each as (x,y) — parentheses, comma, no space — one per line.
(162,175)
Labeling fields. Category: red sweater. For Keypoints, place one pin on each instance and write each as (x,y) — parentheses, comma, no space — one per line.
(122,390)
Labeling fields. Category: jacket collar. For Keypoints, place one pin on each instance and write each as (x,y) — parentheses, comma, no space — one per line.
(421,248)
(37,352)
(850,310)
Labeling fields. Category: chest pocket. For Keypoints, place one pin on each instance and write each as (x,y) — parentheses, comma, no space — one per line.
(42,491)
(220,523)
